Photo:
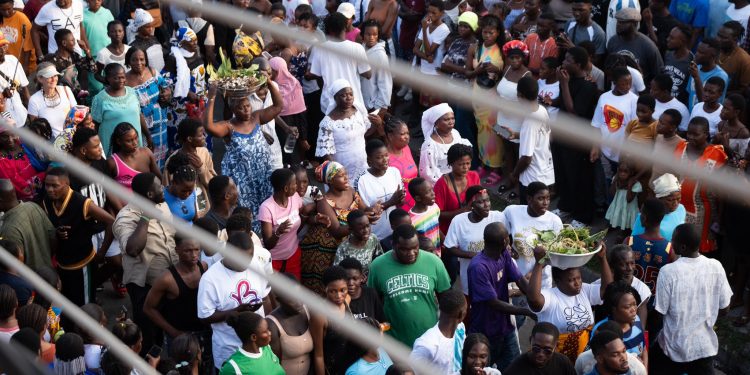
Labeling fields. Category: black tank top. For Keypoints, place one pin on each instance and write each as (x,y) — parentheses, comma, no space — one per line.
(182,312)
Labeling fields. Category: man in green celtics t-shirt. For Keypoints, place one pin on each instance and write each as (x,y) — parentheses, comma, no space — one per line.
(408,280)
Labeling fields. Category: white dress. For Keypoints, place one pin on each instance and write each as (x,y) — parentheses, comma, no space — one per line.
(433,157)
(344,141)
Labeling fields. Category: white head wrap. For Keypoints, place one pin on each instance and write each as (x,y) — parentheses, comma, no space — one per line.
(140,18)
(182,83)
(337,86)
(666,184)
(430,116)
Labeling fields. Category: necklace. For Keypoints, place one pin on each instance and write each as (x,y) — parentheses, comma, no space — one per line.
(51,101)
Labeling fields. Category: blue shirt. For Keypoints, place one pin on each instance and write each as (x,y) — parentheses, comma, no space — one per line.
(715,72)
(362,367)
(488,280)
(184,209)
(691,12)
(633,338)
(668,223)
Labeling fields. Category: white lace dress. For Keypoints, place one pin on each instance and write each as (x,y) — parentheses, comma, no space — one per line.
(344,141)
(433,157)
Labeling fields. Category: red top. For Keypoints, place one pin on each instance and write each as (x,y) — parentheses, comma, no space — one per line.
(446,198)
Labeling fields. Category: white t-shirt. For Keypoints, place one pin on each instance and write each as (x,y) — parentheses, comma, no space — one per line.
(469,237)
(105,56)
(331,66)
(586,362)
(521,227)
(638,84)
(673,104)
(570,313)
(55,115)
(437,349)
(611,116)
(740,15)
(713,118)
(643,290)
(534,142)
(373,189)
(689,294)
(14,105)
(274,150)
(223,289)
(552,91)
(55,19)
(437,36)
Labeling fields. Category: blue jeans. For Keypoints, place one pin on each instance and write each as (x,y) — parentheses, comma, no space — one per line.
(504,349)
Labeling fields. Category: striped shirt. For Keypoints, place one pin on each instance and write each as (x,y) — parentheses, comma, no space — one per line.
(427,224)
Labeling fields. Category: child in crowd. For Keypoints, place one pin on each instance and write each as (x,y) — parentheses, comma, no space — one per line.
(651,251)
(361,244)
(8,322)
(627,192)
(365,301)
(666,137)
(710,108)
(541,43)
(425,213)
(397,217)
(643,129)
(347,9)
(549,86)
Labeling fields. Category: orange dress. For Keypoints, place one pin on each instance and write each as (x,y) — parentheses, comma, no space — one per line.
(699,202)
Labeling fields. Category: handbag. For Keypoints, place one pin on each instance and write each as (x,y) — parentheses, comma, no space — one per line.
(455,190)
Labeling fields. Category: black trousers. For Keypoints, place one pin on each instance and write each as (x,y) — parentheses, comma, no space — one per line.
(152,334)
(76,285)
(574,174)
(659,363)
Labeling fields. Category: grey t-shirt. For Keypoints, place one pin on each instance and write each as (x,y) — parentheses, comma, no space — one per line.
(680,73)
(593,33)
(645,52)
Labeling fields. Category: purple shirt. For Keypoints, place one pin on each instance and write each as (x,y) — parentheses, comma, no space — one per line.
(488,280)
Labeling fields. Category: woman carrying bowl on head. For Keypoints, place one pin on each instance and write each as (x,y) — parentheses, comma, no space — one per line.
(569,304)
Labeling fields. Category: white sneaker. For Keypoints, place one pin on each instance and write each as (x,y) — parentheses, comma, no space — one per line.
(408,96)
(402,91)
(577,224)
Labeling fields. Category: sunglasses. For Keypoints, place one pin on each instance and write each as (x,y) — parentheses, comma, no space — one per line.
(539,349)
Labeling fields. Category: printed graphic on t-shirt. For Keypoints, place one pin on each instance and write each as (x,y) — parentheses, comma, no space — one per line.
(244,294)
(577,318)
(613,117)
(407,283)
(67,22)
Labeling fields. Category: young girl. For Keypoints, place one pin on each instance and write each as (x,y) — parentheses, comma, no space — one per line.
(255,355)
(192,137)
(549,86)
(361,244)
(430,46)
(643,129)
(331,347)
(475,356)
(624,208)
(114,52)
(385,12)
(128,159)
(621,303)
(347,9)
(485,65)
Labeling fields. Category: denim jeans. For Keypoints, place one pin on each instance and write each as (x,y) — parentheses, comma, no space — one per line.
(504,349)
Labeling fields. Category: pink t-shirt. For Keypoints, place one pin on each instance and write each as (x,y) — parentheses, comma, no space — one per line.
(352,35)
(405,164)
(271,212)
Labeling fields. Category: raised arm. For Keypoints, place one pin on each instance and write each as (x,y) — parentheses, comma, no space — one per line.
(218,129)
(534,290)
(267,114)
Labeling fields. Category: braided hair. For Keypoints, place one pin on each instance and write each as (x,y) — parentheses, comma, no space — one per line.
(178,166)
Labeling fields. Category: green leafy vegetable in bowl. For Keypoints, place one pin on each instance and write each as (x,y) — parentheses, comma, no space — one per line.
(570,240)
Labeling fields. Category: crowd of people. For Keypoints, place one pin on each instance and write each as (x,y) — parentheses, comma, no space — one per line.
(312,176)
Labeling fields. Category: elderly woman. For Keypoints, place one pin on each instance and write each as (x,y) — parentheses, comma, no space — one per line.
(320,244)
(399,154)
(51,102)
(246,159)
(140,32)
(569,304)
(342,132)
(667,189)
(439,136)
(116,104)
(154,94)
(187,72)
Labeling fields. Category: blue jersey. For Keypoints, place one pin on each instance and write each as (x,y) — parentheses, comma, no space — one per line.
(650,254)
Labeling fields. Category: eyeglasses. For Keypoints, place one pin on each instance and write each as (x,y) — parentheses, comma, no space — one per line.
(539,349)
